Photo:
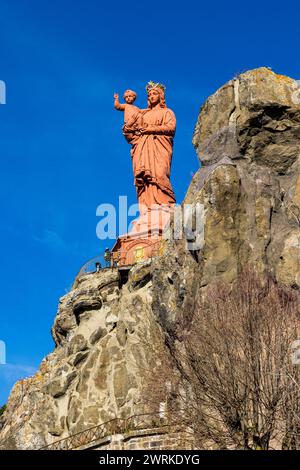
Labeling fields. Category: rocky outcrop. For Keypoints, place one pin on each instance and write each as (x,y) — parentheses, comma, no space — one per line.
(110,332)
(106,338)
(248,140)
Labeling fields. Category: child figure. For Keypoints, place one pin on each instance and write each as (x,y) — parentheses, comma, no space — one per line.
(132,114)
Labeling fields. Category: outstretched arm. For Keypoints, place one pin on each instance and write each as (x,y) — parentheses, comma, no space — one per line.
(119,106)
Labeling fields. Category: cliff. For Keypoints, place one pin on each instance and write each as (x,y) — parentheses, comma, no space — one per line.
(112,332)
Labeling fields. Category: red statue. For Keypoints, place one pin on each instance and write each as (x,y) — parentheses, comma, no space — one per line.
(150,132)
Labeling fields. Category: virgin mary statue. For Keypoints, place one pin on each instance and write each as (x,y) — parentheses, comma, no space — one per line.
(152,146)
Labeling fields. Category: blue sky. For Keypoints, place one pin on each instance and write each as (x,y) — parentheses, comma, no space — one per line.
(61,148)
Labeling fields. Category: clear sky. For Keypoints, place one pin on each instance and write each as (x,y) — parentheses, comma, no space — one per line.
(61,148)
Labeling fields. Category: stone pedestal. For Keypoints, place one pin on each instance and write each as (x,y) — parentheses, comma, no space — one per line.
(143,240)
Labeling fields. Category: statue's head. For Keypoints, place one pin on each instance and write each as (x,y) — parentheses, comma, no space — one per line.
(156,94)
(129,96)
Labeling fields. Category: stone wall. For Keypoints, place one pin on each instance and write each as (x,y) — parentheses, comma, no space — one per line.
(165,438)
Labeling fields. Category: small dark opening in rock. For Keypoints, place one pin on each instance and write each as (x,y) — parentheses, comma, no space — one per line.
(123,277)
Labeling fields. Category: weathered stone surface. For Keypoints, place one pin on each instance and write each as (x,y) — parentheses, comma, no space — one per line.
(239,120)
(122,333)
(288,268)
(109,336)
(140,276)
(123,382)
(249,128)
(59,386)
(97,335)
(77,343)
(80,356)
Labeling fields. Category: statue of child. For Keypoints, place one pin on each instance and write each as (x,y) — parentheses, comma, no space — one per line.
(132,114)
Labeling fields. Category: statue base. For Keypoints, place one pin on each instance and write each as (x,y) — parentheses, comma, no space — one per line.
(143,241)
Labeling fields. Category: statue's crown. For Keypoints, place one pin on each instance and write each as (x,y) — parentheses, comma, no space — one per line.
(151,84)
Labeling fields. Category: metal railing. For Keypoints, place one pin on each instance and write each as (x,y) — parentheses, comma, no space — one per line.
(118,259)
(93,265)
(109,428)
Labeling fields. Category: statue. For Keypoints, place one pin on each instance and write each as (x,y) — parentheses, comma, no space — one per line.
(150,133)
(131,112)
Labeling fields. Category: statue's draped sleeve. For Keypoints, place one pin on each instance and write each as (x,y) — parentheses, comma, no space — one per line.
(167,127)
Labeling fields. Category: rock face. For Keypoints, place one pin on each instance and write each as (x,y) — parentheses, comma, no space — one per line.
(110,332)
(248,140)
(105,336)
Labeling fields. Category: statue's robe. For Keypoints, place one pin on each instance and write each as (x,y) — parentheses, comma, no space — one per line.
(151,158)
